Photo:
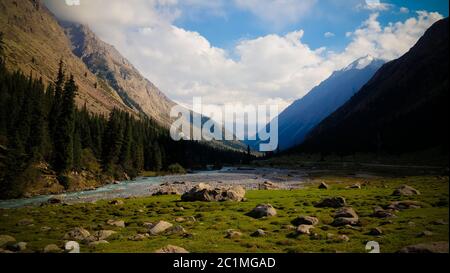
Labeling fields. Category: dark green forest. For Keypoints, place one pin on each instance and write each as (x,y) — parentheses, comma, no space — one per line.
(41,123)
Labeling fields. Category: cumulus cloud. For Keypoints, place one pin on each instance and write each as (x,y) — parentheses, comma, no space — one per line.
(329,34)
(269,69)
(374,5)
(404,10)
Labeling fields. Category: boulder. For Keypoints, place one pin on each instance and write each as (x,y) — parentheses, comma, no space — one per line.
(267,185)
(21,246)
(379,212)
(52,248)
(77,234)
(376,232)
(116,202)
(5,240)
(355,186)
(25,222)
(402,205)
(333,202)
(96,243)
(342,238)
(305,220)
(116,223)
(204,192)
(405,190)
(171,249)
(138,237)
(57,199)
(233,234)
(103,234)
(345,216)
(167,190)
(324,186)
(160,227)
(262,210)
(435,247)
(304,229)
(258,233)
(425,233)
(176,230)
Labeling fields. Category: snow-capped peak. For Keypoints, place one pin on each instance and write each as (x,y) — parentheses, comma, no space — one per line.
(360,63)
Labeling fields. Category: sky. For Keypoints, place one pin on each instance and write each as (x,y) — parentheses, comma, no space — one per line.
(251,51)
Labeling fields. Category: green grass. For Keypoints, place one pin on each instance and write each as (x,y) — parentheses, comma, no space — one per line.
(213,219)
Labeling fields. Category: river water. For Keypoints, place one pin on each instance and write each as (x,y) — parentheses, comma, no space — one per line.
(146,186)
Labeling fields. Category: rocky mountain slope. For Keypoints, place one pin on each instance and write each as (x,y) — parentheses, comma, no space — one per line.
(402,109)
(35,43)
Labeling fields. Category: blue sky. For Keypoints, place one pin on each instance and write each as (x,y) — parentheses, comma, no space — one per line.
(233,24)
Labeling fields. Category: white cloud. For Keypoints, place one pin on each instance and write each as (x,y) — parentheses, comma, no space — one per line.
(374,5)
(404,10)
(329,34)
(269,69)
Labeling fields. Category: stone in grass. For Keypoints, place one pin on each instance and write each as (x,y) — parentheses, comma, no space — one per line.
(25,222)
(100,242)
(52,248)
(324,186)
(356,186)
(103,234)
(376,232)
(434,247)
(233,234)
(304,229)
(77,234)
(267,185)
(138,237)
(160,227)
(263,210)
(116,223)
(21,246)
(116,202)
(440,222)
(171,249)
(345,216)
(425,233)
(379,212)
(6,239)
(167,190)
(405,190)
(305,220)
(259,233)
(407,204)
(333,202)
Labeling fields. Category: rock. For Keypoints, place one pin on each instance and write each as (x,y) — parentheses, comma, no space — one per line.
(262,210)
(148,225)
(138,237)
(167,190)
(77,234)
(21,246)
(233,234)
(258,233)
(117,223)
(25,222)
(96,243)
(355,186)
(343,238)
(304,229)
(425,233)
(376,232)
(267,185)
(204,192)
(160,227)
(5,240)
(324,186)
(379,212)
(176,230)
(116,202)
(58,199)
(345,216)
(305,220)
(333,202)
(435,247)
(103,234)
(402,205)
(405,190)
(180,219)
(171,249)
(440,222)
(52,248)
(45,228)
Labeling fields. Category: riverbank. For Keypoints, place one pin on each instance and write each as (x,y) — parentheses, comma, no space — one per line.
(206,227)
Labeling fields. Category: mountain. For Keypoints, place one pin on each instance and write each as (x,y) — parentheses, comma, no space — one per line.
(304,114)
(35,43)
(107,63)
(402,109)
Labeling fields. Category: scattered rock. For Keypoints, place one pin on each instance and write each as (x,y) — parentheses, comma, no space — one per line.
(258,233)
(77,234)
(103,234)
(233,234)
(324,186)
(355,186)
(435,247)
(402,205)
(440,222)
(204,192)
(304,229)
(58,199)
(116,202)
(343,238)
(117,223)
(45,228)
(171,249)
(267,185)
(52,248)
(425,233)
(305,220)
(25,222)
(138,237)
(96,243)
(160,227)
(180,219)
(379,212)
(176,230)
(376,232)
(262,210)
(167,190)
(333,202)
(6,239)
(345,216)
(20,246)
(405,190)
(148,225)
